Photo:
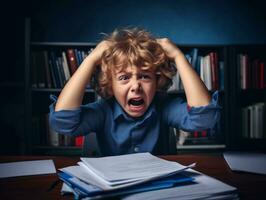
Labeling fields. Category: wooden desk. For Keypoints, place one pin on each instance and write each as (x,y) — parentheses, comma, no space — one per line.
(250,186)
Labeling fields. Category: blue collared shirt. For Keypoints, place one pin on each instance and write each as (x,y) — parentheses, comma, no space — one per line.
(118,133)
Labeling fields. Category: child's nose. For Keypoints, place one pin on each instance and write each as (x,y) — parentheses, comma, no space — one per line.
(136,85)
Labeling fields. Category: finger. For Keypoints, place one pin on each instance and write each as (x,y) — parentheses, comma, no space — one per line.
(159,41)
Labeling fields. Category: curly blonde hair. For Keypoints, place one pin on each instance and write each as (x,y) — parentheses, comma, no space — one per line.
(133,47)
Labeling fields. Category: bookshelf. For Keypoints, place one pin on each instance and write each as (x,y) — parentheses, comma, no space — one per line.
(43,142)
(232,99)
(39,95)
(248,118)
(43,77)
(215,139)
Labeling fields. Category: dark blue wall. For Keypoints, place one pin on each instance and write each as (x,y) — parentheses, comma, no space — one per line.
(183,21)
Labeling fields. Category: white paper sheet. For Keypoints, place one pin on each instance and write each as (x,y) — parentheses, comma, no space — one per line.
(26,168)
(131,166)
(246,161)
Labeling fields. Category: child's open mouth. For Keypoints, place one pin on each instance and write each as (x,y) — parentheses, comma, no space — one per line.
(136,102)
(136,105)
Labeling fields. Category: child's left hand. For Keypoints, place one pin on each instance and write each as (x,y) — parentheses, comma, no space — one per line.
(171,50)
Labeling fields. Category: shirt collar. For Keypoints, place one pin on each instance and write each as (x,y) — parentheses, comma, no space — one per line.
(119,112)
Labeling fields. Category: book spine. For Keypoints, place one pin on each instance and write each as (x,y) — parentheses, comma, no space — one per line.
(207,72)
(55,69)
(72,61)
(47,69)
(59,72)
(65,66)
(79,141)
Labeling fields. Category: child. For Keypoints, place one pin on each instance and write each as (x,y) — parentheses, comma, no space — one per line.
(133,116)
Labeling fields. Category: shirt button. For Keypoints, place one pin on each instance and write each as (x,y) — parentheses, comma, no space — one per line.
(136,149)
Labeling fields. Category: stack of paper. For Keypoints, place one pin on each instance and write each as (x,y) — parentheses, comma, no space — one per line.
(140,176)
(120,175)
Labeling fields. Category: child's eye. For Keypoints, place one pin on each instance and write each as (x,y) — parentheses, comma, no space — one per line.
(144,77)
(123,77)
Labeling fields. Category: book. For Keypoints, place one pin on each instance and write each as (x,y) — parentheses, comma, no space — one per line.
(252,72)
(214,70)
(72,61)
(194,57)
(79,141)
(60,71)
(253,121)
(47,69)
(65,66)
(207,71)
(54,69)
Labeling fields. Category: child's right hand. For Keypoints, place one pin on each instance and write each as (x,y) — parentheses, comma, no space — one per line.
(72,94)
(170,49)
(96,54)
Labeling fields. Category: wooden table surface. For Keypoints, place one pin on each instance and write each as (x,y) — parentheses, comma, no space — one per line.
(250,186)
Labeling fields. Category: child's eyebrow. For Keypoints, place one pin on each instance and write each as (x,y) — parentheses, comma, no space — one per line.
(121,72)
(129,72)
(146,72)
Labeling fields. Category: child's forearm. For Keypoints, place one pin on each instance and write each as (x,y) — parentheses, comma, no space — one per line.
(73,92)
(196,91)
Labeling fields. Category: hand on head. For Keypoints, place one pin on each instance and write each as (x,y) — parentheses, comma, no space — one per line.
(170,49)
(99,49)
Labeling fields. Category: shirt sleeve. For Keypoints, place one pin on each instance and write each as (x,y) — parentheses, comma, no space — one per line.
(189,118)
(80,121)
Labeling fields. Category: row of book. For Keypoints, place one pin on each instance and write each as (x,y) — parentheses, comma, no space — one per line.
(254,121)
(208,67)
(252,72)
(44,135)
(204,137)
(52,69)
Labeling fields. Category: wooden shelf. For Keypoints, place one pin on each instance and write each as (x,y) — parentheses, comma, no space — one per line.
(183,91)
(60,150)
(202,147)
(55,90)
(66,44)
